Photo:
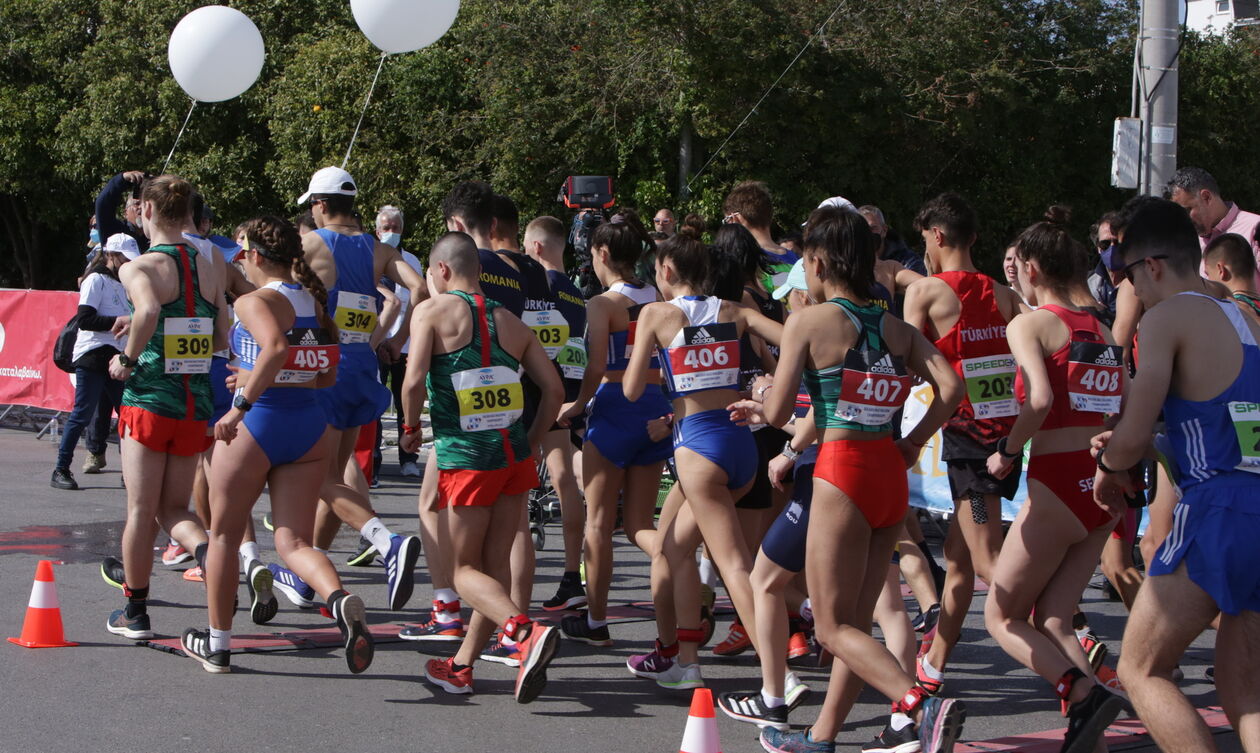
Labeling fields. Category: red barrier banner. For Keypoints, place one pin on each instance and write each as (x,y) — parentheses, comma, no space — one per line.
(30,321)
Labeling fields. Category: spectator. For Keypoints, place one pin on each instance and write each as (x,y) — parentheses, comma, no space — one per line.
(891,246)
(1198,193)
(107,202)
(1008,269)
(749,204)
(664,222)
(1102,236)
(389,228)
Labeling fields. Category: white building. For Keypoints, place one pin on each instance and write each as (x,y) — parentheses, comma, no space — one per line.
(1216,16)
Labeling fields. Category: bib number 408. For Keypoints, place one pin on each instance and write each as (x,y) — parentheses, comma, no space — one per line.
(1104,381)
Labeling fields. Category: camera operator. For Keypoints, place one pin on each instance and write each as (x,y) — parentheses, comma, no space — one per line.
(122,185)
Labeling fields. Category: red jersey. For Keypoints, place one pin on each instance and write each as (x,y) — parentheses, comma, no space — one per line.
(1086,374)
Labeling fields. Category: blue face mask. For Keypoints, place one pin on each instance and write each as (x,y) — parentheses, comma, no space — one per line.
(392,239)
(1105,256)
(95,237)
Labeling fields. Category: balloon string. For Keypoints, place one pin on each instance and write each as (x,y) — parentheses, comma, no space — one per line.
(366,102)
(180,136)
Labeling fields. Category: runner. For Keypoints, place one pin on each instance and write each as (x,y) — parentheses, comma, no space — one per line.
(851,357)
(698,340)
(276,434)
(1208,388)
(466,355)
(965,313)
(544,242)
(1230,261)
(178,317)
(349,262)
(1070,376)
(620,460)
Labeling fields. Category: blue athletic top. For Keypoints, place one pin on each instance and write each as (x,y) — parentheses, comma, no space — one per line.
(1221,435)
(311,347)
(621,343)
(881,296)
(355,257)
(501,282)
(704,355)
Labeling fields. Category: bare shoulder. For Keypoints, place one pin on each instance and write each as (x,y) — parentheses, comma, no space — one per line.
(928,289)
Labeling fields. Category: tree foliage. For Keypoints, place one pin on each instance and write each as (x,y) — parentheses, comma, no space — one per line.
(1009,103)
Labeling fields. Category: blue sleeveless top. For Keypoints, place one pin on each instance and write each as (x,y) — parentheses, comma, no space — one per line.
(354,256)
(311,348)
(621,343)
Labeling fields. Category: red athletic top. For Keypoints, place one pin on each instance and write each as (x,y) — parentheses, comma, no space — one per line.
(1085,374)
(976,347)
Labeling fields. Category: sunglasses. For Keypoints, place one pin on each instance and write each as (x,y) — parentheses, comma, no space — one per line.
(728,219)
(1127,270)
(661,222)
(1103,245)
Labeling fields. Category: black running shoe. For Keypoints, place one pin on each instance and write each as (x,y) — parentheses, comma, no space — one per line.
(927,620)
(365,557)
(196,643)
(576,628)
(62,478)
(136,628)
(570,595)
(262,599)
(352,621)
(113,573)
(1089,718)
(748,707)
(892,741)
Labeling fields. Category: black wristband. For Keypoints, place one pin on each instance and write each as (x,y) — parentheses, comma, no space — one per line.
(1001,450)
(1098,459)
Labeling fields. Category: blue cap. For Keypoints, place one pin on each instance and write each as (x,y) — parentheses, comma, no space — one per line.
(795,281)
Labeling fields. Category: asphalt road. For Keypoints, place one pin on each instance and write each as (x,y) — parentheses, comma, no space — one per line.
(109,695)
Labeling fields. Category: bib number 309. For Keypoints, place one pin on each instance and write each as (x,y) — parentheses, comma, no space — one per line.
(187,345)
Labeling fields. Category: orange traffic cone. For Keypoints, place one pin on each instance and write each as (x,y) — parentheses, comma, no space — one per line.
(701,735)
(42,628)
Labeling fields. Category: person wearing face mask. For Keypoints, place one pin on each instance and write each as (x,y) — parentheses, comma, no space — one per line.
(108,201)
(393,352)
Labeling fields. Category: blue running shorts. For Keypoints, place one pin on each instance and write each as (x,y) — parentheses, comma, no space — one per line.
(712,435)
(358,398)
(618,427)
(286,422)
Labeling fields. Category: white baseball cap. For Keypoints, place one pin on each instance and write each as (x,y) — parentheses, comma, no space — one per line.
(121,243)
(839,202)
(329,180)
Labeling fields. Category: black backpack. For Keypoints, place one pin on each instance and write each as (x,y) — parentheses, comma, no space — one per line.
(63,348)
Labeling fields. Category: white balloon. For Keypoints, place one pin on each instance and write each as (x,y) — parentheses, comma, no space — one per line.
(216,53)
(404,25)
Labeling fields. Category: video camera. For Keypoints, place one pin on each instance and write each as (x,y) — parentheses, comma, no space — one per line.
(591,195)
(587,192)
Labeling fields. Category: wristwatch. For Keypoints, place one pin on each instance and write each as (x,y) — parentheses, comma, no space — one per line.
(241,404)
(789,453)
(125,362)
(1001,450)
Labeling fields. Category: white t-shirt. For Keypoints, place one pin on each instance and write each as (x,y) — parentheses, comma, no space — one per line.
(404,296)
(109,298)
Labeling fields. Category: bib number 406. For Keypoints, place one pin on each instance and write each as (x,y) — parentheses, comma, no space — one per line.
(706,358)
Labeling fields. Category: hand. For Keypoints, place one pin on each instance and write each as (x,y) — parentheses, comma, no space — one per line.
(1110,490)
(568,412)
(780,467)
(225,430)
(999,467)
(122,325)
(117,370)
(1099,443)
(659,428)
(909,451)
(746,412)
(760,385)
(411,442)
(134,176)
(385,355)
(232,377)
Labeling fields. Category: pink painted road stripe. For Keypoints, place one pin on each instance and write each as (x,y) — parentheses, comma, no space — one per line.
(1050,741)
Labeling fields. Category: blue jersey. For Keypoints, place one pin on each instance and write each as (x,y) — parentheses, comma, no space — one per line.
(621,343)
(501,282)
(354,299)
(311,349)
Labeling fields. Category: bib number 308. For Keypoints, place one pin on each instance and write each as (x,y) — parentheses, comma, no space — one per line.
(488,398)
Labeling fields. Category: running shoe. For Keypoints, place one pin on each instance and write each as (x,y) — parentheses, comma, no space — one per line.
(351,617)
(195,574)
(94,463)
(440,673)
(922,679)
(434,630)
(708,597)
(136,628)
(940,724)
(1089,718)
(294,588)
(681,677)
(502,653)
(569,595)
(927,620)
(925,643)
(113,573)
(735,643)
(1107,677)
(748,707)
(175,554)
(62,478)
(707,626)
(650,665)
(795,690)
(1209,674)
(263,604)
(537,651)
(196,643)
(409,469)
(776,741)
(798,646)
(892,741)
(365,556)
(576,628)
(268,523)
(1095,649)
(400,566)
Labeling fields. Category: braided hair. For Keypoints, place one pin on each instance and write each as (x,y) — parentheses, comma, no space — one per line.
(277,240)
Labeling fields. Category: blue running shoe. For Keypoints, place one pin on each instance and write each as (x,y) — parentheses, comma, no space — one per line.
(778,741)
(136,628)
(941,724)
(294,588)
(400,566)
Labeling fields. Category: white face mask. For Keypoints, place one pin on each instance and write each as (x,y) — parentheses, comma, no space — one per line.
(392,239)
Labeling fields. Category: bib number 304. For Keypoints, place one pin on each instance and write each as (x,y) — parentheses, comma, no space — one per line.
(355,317)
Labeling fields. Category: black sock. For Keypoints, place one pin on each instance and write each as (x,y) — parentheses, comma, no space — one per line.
(459,667)
(1079,621)
(199,553)
(571,577)
(335,597)
(137,602)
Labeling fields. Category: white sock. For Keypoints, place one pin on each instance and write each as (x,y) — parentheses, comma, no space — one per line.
(932,672)
(708,573)
(900,721)
(321,551)
(807,609)
(171,542)
(1082,632)
(446,595)
(220,640)
(593,623)
(771,702)
(376,532)
(249,552)
(506,641)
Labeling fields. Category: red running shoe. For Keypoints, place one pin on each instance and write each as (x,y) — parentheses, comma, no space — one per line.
(735,643)
(440,673)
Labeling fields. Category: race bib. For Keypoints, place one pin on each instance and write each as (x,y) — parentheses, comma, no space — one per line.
(551,329)
(1095,377)
(572,358)
(310,352)
(708,359)
(489,398)
(873,387)
(187,345)
(1246,418)
(990,384)
(355,317)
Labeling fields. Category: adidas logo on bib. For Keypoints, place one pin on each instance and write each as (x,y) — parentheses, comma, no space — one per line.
(702,337)
(884,366)
(309,338)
